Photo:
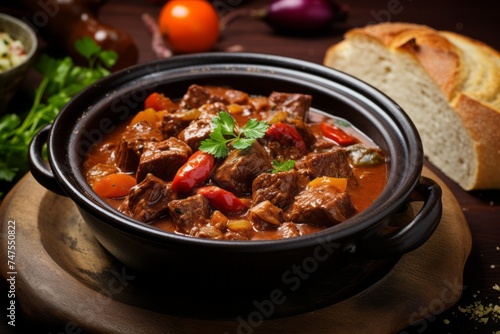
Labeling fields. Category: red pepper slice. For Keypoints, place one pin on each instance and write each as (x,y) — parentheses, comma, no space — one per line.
(221,199)
(338,135)
(194,172)
(158,102)
(286,135)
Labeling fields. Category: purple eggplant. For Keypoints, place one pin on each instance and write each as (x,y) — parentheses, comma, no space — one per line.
(292,16)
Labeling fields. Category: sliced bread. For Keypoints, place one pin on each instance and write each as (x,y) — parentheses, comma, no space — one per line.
(448,84)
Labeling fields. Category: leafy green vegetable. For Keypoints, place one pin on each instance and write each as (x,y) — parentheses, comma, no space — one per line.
(225,134)
(361,155)
(61,80)
(93,52)
(87,48)
(342,123)
(282,166)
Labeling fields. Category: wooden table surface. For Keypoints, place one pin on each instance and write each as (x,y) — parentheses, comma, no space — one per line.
(481,208)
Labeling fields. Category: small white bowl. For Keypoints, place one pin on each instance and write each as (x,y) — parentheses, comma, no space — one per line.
(11,78)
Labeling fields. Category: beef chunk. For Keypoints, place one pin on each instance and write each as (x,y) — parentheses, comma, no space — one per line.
(196,132)
(321,206)
(196,96)
(304,130)
(189,212)
(132,144)
(212,109)
(284,151)
(163,159)
(209,232)
(240,168)
(173,124)
(199,129)
(235,235)
(289,139)
(148,200)
(259,103)
(228,95)
(191,130)
(296,105)
(323,145)
(278,188)
(288,230)
(332,163)
(236,96)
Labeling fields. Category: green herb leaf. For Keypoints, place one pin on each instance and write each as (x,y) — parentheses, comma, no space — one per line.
(225,134)
(61,81)
(108,57)
(225,123)
(216,144)
(87,47)
(8,123)
(94,53)
(242,143)
(59,100)
(7,173)
(62,71)
(283,166)
(46,65)
(255,129)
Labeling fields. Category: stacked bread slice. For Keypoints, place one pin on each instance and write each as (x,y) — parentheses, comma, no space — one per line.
(447,83)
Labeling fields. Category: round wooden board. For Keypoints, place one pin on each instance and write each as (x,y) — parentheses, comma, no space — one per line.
(66,279)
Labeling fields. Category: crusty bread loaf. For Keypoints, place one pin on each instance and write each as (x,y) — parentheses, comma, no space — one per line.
(447,83)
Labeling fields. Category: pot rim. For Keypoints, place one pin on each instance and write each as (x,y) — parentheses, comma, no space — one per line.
(394,195)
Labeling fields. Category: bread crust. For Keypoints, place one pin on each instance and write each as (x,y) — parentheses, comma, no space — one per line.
(435,53)
(483,126)
(468,74)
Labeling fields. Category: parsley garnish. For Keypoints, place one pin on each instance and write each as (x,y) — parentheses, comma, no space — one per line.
(225,134)
(284,166)
(62,80)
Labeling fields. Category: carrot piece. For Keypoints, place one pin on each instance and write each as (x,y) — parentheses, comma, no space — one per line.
(114,185)
(148,115)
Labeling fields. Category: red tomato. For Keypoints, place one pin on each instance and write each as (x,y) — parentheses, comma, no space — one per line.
(337,135)
(222,200)
(194,172)
(286,135)
(189,25)
(158,102)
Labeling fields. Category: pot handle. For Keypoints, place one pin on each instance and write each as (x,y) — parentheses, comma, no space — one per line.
(409,236)
(39,167)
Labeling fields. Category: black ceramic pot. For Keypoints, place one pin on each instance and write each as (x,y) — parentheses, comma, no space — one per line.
(211,278)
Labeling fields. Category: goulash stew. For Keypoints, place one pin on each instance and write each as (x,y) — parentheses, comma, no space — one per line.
(223,164)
